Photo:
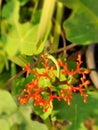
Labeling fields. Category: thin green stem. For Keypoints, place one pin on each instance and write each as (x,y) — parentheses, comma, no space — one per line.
(34,9)
(57,28)
(48,123)
(56,64)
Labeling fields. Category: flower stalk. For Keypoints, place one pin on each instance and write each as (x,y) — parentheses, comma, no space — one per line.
(57,28)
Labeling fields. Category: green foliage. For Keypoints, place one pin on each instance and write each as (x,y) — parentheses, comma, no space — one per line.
(27,123)
(12,114)
(26,25)
(77,111)
(23,2)
(47,13)
(2,62)
(5,108)
(4,124)
(43,115)
(3,59)
(21,38)
(82,25)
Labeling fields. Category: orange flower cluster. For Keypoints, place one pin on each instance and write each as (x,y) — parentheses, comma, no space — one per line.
(82,84)
(43,96)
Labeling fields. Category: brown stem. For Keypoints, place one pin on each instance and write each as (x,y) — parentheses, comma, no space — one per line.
(18,75)
(71,46)
(63,48)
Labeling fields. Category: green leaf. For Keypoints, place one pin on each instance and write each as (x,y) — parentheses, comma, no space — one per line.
(10,11)
(71,65)
(21,38)
(21,84)
(78,111)
(44,82)
(73,126)
(34,125)
(4,124)
(3,59)
(27,123)
(2,62)
(7,104)
(36,17)
(23,2)
(4,76)
(82,25)
(43,115)
(21,60)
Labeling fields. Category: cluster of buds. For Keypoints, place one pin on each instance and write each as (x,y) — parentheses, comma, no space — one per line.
(44,95)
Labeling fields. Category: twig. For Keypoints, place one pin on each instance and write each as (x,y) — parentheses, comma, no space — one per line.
(58,50)
(71,46)
(18,74)
(14,77)
(63,48)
